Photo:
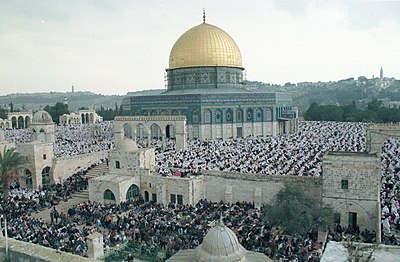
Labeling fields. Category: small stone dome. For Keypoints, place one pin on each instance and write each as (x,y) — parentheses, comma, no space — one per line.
(42,117)
(127,145)
(220,245)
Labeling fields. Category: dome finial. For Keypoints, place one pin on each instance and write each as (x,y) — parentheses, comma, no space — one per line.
(204,15)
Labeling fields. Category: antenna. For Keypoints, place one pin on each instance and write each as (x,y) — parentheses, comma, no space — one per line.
(204,15)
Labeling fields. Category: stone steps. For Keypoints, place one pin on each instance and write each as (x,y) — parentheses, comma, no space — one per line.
(94,172)
(100,169)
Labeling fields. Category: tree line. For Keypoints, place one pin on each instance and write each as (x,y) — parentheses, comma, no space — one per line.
(374,112)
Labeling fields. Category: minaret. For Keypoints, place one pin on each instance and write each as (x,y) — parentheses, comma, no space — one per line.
(381,74)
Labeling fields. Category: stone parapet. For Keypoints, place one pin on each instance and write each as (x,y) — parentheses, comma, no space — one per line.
(27,252)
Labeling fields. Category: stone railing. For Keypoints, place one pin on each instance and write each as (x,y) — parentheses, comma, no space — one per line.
(27,252)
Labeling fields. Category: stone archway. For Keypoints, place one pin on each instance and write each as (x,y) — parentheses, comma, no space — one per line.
(155,131)
(170,131)
(152,126)
(109,197)
(348,209)
(133,191)
(377,134)
(21,122)
(128,131)
(14,122)
(46,176)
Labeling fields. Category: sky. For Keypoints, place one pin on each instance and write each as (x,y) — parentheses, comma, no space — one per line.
(120,46)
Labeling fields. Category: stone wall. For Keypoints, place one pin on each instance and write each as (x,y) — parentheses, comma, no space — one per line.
(260,189)
(27,252)
(351,184)
(67,166)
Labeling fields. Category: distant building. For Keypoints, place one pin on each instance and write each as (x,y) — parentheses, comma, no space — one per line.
(17,120)
(84,116)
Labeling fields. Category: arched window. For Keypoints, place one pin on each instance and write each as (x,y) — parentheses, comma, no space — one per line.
(229,116)
(249,114)
(28,178)
(133,191)
(218,116)
(239,115)
(195,116)
(46,175)
(109,195)
(259,115)
(207,116)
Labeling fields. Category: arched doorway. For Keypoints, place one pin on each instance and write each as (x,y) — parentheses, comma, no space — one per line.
(46,176)
(141,131)
(27,120)
(155,131)
(28,178)
(128,130)
(20,122)
(109,196)
(146,196)
(13,122)
(170,131)
(133,192)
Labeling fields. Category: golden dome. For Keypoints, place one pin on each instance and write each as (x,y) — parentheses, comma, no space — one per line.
(205,45)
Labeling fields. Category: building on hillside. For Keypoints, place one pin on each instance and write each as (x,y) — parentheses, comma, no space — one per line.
(205,83)
(84,116)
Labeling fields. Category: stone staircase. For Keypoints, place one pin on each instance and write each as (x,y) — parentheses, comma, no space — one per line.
(101,169)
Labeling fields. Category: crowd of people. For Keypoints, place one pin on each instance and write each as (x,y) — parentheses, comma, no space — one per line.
(60,232)
(72,139)
(181,227)
(84,138)
(299,154)
(172,227)
(390,190)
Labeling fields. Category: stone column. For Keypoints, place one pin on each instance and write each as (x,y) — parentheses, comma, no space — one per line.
(95,245)
(149,137)
(163,137)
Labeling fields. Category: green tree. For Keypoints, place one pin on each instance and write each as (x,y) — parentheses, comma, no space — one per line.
(10,161)
(295,211)
(3,113)
(374,105)
(56,111)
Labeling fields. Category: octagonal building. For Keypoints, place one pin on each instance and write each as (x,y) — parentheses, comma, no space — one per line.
(205,83)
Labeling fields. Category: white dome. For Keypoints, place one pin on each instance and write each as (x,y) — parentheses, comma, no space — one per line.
(42,117)
(220,245)
(126,145)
